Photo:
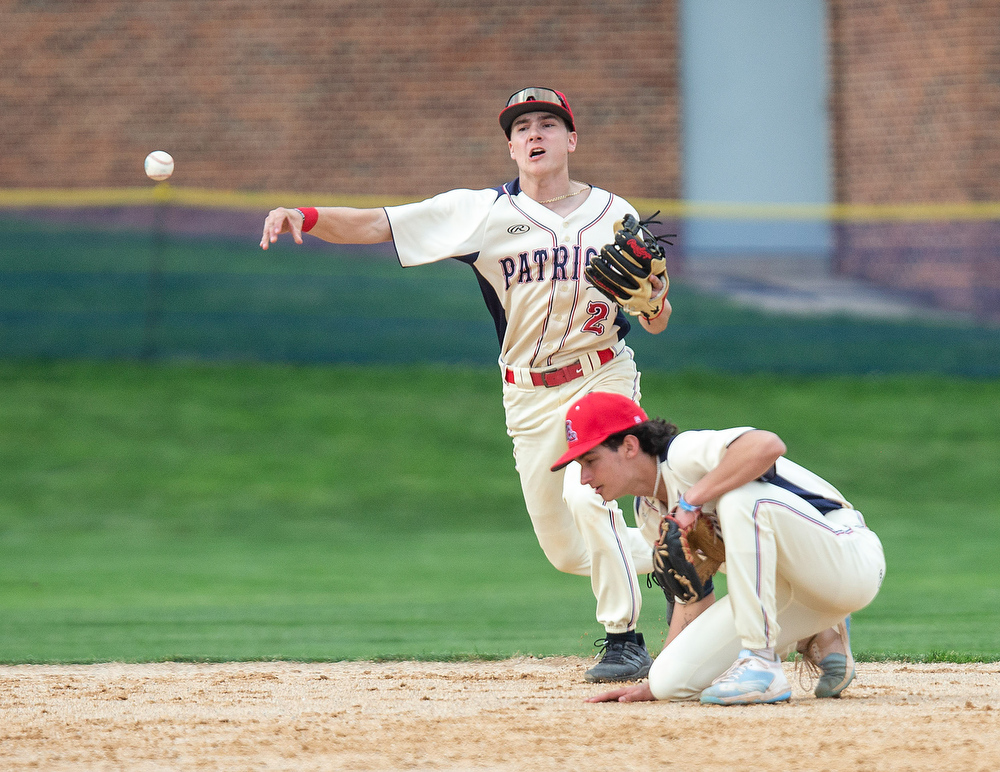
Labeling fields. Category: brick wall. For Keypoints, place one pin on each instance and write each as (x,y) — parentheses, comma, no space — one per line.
(330,96)
(916,100)
(400,99)
(915,106)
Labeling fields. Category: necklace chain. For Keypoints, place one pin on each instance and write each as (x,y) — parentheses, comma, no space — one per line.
(567,195)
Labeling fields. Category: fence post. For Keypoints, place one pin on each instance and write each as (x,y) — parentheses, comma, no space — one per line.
(154,287)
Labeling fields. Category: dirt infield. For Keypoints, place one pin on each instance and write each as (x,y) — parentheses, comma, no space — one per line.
(516,715)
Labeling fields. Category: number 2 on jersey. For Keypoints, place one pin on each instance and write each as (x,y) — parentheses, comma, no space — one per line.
(598,313)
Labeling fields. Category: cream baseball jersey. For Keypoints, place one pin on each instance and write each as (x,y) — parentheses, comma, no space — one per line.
(692,454)
(529,262)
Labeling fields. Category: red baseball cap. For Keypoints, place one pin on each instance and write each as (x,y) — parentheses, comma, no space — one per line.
(593,418)
(535,100)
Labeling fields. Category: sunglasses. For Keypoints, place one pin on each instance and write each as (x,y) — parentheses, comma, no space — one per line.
(536,95)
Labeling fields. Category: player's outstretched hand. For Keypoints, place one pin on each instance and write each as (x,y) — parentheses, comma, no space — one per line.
(633,693)
(280,221)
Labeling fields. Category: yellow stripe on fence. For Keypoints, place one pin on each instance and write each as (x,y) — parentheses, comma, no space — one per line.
(821,212)
(19,198)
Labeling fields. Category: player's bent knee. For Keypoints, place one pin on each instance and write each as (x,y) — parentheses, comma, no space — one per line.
(668,680)
(569,566)
(567,555)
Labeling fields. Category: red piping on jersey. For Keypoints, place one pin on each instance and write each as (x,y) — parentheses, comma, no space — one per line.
(555,244)
(552,288)
(579,267)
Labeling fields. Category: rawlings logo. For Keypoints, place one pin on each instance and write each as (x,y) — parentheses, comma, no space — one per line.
(514,230)
(639,249)
(571,436)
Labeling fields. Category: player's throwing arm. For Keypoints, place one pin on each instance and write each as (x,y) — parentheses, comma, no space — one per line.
(336,224)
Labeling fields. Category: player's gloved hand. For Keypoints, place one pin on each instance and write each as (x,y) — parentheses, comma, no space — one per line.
(686,559)
(624,269)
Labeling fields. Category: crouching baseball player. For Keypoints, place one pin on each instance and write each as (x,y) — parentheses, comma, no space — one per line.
(798,557)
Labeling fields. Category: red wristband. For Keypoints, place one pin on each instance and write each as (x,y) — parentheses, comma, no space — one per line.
(310,215)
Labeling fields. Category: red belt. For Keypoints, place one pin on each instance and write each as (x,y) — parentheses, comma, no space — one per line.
(561,375)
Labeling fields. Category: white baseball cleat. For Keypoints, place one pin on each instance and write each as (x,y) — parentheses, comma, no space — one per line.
(751,680)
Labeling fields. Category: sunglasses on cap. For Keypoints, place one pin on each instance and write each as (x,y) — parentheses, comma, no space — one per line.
(537,95)
(534,99)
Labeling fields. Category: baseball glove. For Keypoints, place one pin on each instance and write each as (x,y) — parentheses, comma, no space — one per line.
(622,270)
(685,560)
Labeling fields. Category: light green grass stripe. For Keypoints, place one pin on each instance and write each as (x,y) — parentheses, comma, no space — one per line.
(206,512)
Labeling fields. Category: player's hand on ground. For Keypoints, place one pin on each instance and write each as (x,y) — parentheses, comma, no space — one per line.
(633,693)
(280,221)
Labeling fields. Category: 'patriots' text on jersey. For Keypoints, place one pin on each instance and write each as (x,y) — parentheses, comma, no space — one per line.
(529,262)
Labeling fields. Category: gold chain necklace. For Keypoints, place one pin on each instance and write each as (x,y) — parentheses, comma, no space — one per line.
(567,195)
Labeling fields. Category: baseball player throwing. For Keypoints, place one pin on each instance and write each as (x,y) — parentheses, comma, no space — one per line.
(798,556)
(529,242)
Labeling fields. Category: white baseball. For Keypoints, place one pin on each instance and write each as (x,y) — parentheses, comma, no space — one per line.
(159,165)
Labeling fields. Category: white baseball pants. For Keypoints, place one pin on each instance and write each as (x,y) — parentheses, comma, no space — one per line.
(578,532)
(791,572)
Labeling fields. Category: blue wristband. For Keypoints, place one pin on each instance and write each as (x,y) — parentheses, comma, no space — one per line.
(687,507)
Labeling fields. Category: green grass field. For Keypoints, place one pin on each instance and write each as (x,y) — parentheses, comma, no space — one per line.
(324,513)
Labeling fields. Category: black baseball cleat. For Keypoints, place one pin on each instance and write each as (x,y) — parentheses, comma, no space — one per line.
(621,661)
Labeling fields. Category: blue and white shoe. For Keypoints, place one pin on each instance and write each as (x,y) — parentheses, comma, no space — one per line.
(750,681)
(836,669)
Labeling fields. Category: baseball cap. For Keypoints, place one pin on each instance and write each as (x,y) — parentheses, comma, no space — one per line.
(595,417)
(534,100)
